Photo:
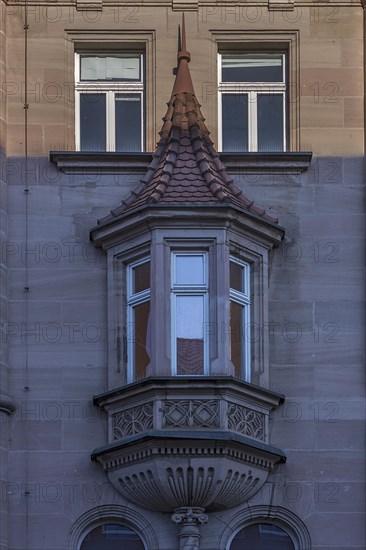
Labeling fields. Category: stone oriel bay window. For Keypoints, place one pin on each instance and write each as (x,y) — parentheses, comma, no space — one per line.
(192,305)
(187,281)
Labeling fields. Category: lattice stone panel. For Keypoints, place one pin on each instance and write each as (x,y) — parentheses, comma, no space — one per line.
(133,421)
(246,421)
(190,413)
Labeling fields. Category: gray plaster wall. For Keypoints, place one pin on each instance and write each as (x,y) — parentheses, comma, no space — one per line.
(316,332)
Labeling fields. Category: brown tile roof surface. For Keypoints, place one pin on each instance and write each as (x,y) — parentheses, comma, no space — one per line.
(185,167)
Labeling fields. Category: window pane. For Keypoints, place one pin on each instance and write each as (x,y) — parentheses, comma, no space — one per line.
(141,277)
(92,122)
(128,122)
(111,537)
(189,323)
(141,342)
(270,122)
(252,67)
(237,335)
(190,270)
(121,68)
(236,277)
(262,536)
(235,122)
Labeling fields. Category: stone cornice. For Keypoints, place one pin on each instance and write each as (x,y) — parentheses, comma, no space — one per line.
(187,5)
(74,162)
(191,384)
(185,215)
(267,457)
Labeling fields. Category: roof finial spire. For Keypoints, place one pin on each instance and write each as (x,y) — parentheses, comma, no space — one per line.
(183,81)
(183,40)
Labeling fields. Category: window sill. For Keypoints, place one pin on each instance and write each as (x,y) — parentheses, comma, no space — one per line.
(112,162)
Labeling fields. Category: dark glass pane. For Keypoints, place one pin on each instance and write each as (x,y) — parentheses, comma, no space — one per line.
(110,67)
(236,277)
(237,336)
(128,122)
(262,536)
(252,67)
(270,122)
(92,122)
(189,322)
(235,123)
(189,270)
(141,339)
(112,537)
(141,277)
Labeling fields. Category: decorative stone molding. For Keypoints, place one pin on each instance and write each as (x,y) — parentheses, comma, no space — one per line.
(74,162)
(277,515)
(112,513)
(196,442)
(133,421)
(89,5)
(190,413)
(281,5)
(246,421)
(185,5)
(189,404)
(189,521)
(165,470)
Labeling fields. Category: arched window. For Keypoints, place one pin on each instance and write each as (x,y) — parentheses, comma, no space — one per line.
(262,536)
(111,536)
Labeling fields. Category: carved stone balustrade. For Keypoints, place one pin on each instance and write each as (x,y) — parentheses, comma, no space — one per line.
(188,442)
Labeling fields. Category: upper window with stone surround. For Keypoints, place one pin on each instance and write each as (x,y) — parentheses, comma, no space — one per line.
(252,101)
(109,101)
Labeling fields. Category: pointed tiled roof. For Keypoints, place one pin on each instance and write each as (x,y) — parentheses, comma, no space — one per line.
(186,169)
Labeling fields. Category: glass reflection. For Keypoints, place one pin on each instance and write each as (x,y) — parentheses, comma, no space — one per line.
(189,323)
(262,536)
(270,122)
(189,269)
(141,277)
(141,344)
(236,277)
(252,67)
(112,537)
(235,122)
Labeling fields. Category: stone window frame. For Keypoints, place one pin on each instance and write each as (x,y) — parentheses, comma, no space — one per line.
(109,41)
(119,259)
(112,513)
(252,90)
(132,300)
(177,290)
(151,235)
(265,41)
(110,89)
(276,515)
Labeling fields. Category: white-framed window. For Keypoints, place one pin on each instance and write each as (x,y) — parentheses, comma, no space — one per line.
(189,312)
(137,337)
(240,333)
(252,101)
(109,101)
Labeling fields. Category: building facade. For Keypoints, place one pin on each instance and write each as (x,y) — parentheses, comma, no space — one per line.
(182,302)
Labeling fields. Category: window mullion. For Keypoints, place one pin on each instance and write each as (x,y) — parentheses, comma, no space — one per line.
(111,121)
(253,125)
